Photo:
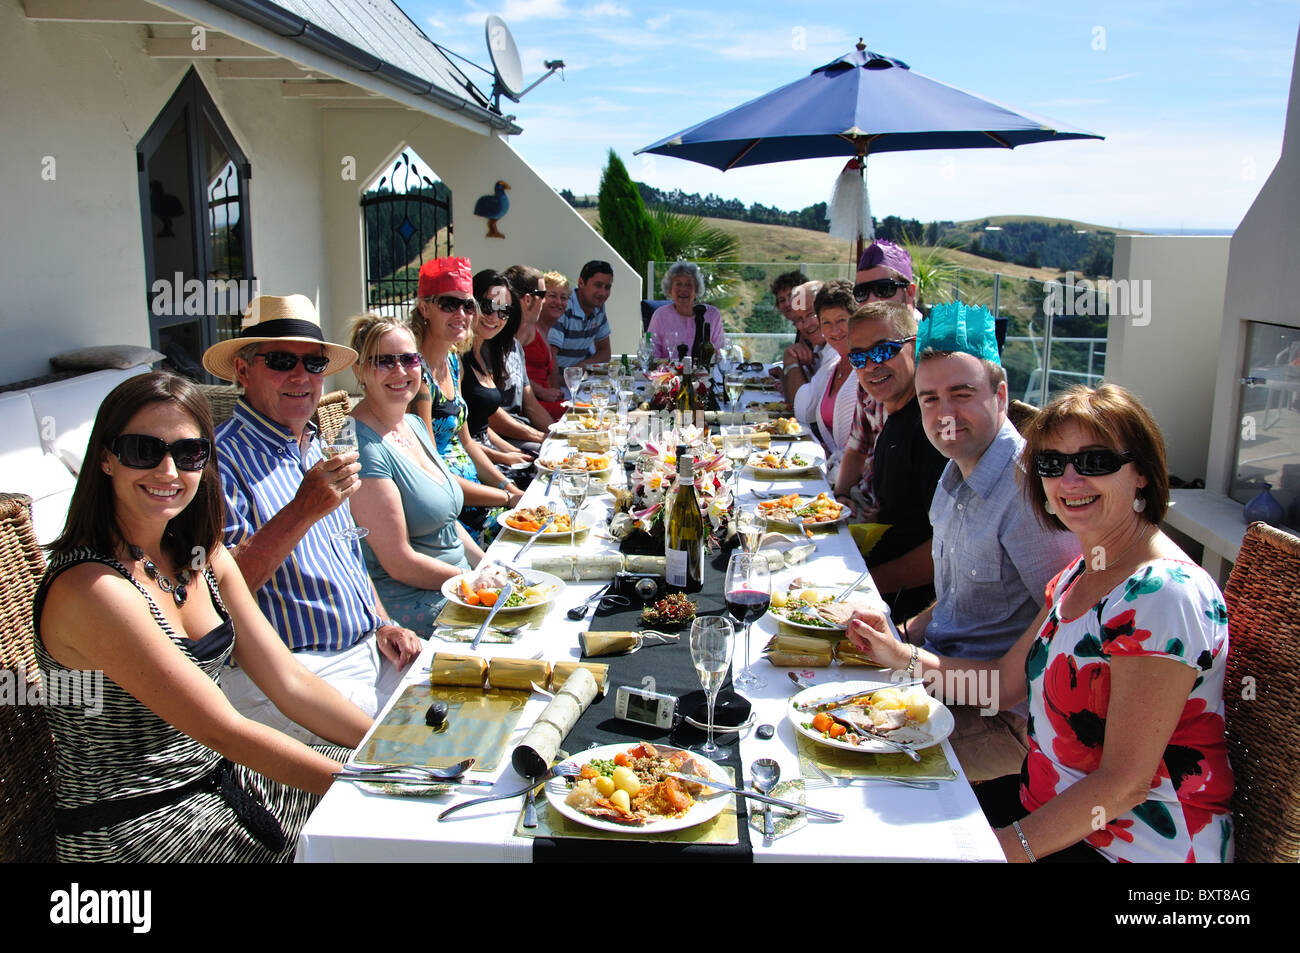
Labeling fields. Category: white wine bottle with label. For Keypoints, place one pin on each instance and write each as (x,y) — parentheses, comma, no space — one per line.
(685,533)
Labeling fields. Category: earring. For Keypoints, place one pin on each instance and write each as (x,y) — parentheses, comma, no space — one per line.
(1048,506)
(1139,504)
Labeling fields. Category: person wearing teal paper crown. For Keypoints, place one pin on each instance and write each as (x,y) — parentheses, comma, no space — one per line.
(992,558)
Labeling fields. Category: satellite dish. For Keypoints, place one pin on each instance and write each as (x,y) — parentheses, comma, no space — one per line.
(507,71)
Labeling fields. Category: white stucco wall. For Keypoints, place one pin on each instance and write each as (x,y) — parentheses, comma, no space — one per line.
(1260,284)
(540,227)
(1169,356)
(72,249)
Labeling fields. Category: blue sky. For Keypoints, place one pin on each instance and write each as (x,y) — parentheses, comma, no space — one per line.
(1190,96)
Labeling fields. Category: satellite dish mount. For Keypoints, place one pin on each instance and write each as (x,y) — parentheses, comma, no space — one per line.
(507,72)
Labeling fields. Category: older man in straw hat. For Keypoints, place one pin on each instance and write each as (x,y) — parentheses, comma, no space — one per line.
(284,510)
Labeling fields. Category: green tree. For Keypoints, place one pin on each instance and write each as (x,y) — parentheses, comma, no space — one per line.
(624,221)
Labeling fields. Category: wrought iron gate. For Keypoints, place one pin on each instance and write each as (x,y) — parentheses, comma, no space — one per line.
(408,220)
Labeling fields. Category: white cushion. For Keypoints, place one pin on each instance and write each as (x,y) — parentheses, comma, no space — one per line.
(26,467)
(65,411)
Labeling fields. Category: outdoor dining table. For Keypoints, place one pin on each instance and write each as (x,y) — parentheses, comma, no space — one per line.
(883,821)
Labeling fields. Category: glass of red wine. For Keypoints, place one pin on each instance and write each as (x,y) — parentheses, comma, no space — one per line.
(748,593)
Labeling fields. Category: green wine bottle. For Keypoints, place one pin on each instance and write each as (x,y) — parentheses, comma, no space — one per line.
(685,533)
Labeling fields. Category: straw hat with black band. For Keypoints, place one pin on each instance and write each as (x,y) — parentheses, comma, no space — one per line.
(275,318)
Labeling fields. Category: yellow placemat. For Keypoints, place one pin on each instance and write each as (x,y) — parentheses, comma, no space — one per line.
(479,725)
(866,535)
(723,829)
(933,766)
(454,615)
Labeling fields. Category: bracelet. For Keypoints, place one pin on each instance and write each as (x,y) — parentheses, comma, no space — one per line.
(1024,842)
(502,484)
(911,666)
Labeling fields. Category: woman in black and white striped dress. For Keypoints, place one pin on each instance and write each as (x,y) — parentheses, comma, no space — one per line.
(140,588)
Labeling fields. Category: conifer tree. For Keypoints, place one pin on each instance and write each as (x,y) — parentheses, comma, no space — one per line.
(624,221)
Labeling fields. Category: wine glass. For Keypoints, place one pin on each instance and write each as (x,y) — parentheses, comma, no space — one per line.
(735,388)
(618,436)
(736,445)
(345,441)
(573,375)
(600,396)
(752,526)
(574,484)
(726,360)
(748,593)
(645,353)
(712,640)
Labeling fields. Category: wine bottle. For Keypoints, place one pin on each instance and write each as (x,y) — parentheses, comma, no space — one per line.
(685,534)
(627,368)
(686,394)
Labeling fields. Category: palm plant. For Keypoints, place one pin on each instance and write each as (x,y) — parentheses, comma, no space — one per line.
(690,238)
(932,270)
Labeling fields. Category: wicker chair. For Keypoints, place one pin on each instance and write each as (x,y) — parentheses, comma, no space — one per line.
(330,414)
(1263,597)
(26,746)
(222,399)
(1020,413)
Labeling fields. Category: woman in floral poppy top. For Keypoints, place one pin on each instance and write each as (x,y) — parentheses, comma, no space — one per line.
(1123,669)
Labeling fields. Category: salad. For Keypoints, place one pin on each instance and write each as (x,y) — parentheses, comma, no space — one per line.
(820,509)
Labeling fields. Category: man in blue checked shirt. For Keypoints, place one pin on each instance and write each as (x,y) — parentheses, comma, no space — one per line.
(284,514)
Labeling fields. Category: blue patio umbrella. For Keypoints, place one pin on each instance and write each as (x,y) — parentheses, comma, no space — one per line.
(861,104)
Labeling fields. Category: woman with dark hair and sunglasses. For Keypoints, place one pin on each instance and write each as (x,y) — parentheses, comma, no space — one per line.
(140,588)
(441,321)
(495,381)
(1123,668)
(409,499)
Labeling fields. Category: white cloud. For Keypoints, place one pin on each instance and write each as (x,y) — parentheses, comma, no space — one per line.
(607,10)
(1114,79)
(518,11)
(654,23)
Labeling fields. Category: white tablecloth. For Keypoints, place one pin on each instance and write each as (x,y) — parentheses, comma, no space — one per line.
(883,821)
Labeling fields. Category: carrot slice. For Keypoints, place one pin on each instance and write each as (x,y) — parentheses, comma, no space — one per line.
(487,597)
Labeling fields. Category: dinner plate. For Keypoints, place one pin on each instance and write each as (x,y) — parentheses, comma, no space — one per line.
(938,727)
(551,535)
(569,428)
(451,589)
(546,466)
(842,518)
(815,460)
(706,807)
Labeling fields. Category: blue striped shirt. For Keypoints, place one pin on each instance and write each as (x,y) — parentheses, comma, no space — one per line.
(319,599)
(575,333)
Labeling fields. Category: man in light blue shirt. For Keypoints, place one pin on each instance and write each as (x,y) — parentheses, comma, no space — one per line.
(992,557)
(581,335)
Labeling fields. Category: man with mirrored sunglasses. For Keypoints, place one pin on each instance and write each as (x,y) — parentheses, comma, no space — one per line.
(284,507)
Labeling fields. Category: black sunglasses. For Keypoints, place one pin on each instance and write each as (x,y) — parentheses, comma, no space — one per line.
(386,362)
(883,288)
(450,304)
(283,361)
(878,353)
(1086,463)
(533,293)
(143,452)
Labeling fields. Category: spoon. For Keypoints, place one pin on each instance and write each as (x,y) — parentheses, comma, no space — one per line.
(766,773)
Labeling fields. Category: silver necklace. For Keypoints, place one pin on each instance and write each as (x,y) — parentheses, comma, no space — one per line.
(179,589)
(1119,559)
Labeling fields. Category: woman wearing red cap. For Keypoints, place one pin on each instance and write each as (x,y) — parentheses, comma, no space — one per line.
(441,321)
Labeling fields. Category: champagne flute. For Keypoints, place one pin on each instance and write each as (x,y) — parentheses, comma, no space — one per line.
(573,375)
(748,594)
(573,491)
(712,640)
(752,526)
(735,387)
(736,445)
(345,441)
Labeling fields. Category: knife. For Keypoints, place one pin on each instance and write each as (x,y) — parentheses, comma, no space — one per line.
(789,805)
(853,586)
(825,704)
(518,792)
(408,779)
(502,598)
(532,539)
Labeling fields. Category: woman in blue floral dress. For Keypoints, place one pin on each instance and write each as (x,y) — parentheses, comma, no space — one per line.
(441,323)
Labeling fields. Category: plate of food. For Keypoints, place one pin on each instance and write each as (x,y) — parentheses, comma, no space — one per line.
(769,406)
(626,788)
(773,463)
(578,424)
(597,464)
(820,510)
(480,588)
(526,520)
(906,715)
(578,407)
(814,610)
(783,428)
